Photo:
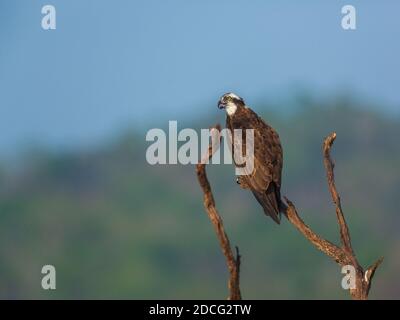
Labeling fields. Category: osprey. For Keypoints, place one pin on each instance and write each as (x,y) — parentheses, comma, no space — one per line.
(265,179)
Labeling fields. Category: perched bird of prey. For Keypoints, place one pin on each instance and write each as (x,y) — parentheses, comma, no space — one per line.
(265,179)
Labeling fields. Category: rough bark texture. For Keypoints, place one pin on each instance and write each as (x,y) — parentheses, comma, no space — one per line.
(343,255)
(233,262)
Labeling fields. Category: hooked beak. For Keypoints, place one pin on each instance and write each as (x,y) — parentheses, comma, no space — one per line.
(221,105)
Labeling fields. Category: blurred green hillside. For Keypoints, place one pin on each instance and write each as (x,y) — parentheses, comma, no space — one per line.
(117,227)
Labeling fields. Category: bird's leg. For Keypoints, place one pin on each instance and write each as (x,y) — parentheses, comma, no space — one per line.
(242,182)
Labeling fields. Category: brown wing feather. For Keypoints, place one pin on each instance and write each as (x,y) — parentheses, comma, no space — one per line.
(265,180)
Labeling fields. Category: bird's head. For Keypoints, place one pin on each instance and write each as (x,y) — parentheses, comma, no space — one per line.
(230,102)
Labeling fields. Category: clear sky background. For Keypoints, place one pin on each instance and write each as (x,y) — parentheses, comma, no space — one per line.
(113,64)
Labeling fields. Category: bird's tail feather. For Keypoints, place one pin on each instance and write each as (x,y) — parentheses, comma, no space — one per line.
(270,201)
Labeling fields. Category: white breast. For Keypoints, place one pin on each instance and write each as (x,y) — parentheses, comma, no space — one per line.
(230,109)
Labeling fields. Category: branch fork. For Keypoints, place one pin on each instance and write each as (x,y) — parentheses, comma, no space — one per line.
(343,254)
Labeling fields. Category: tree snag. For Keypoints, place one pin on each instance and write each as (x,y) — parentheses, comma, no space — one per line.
(343,255)
(233,262)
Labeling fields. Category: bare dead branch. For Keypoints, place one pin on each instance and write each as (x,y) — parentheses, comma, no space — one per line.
(370,272)
(233,262)
(329,166)
(343,255)
(327,247)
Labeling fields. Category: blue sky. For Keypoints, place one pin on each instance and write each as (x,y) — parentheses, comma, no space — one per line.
(117,64)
